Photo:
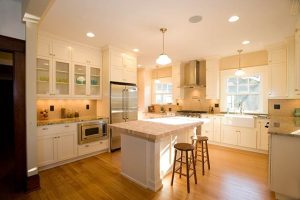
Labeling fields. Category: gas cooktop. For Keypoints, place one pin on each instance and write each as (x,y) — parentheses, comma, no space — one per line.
(191,111)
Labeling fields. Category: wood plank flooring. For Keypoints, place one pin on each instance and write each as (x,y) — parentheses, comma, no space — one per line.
(234,175)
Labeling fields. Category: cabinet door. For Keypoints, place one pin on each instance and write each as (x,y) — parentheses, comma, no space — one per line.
(129,76)
(263,136)
(129,62)
(117,74)
(66,147)
(79,54)
(43,76)
(229,135)
(46,150)
(278,80)
(80,79)
(217,129)
(44,47)
(207,128)
(277,55)
(61,50)
(212,79)
(95,81)
(248,137)
(116,59)
(61,77)
(94,57)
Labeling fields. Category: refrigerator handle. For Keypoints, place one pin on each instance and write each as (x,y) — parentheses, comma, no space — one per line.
(123,104)
(127,103)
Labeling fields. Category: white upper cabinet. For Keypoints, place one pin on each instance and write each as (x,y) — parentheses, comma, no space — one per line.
(123,66)
(212,78)
(277,59)
(68,70)
(57,49)
(177,76)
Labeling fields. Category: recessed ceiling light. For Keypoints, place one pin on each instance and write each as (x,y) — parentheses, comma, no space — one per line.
(246,42)
(135,50)
(233,18)
(195,19)
(90,34)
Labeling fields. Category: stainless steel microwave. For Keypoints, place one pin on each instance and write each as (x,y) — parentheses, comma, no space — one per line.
(92,131)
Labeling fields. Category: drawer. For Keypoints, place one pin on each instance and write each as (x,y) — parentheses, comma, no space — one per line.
(56,128)
(92,147)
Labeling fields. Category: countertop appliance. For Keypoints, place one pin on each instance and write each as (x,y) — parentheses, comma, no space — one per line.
(190,113)
(123,108)
(92,131)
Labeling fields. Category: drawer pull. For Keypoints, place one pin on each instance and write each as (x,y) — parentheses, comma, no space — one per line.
(67,126)
(87,145)
(44,129)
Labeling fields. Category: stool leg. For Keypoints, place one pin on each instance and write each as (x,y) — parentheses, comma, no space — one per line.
(174,167)
(196,152)
(202,156)
(194,167)
(180,169)
(187,172)
(207,155)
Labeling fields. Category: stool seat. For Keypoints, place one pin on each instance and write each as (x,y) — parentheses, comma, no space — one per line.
(184,147)
(199,138)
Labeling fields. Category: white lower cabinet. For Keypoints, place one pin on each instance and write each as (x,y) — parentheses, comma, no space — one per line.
(263,135)
(56,143)
(247,137)
(212,129)
(229,135)
(244,137)
(92,147)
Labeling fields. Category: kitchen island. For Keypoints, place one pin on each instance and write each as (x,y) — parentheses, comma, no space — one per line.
(284,173)
(147,147)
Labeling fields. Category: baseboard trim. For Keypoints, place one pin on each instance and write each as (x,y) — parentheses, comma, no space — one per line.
(33,183)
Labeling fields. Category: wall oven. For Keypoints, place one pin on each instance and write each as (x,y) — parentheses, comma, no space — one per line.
(92,131)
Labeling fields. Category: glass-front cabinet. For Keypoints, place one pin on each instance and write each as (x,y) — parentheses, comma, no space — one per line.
(43,76)
(62,78)
(95,81)
(80,76)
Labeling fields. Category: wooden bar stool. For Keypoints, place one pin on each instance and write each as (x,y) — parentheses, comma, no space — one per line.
(201,147)
(184,147)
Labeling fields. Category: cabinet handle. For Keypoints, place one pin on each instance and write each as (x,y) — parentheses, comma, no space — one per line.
(87,145)
(44,129)
(296,90)
(101,142)
(58,136)
(67,126)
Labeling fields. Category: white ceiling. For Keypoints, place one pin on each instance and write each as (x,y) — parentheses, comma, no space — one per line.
(135,24)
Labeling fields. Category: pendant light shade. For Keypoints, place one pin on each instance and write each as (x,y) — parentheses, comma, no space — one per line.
(239,71)
(163,58)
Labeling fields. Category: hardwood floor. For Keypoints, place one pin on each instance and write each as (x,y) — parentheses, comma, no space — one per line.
(234,175)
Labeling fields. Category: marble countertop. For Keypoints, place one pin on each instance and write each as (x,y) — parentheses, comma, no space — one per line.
(154,129)
(289,126)
(68,120)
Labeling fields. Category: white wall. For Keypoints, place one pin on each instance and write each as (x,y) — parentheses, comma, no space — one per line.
(11,24)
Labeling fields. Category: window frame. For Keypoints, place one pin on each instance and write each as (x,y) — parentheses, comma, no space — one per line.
(166,80)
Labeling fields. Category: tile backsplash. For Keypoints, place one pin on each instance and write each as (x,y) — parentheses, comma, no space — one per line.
(283,107)
(194,99)
(71,106)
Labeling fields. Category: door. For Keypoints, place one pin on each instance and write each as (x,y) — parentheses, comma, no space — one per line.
(131,103)
(46,150)
(66,146)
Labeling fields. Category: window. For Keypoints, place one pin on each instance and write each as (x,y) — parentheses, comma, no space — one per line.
(244,91)
(163,92)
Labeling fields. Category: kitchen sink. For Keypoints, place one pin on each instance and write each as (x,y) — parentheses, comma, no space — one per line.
(240,120)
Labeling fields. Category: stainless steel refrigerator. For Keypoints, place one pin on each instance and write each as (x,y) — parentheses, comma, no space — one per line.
(123,108)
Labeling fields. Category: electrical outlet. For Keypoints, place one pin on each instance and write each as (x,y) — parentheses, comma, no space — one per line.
(51,107)
(276,106)
(216,105)
(87,106)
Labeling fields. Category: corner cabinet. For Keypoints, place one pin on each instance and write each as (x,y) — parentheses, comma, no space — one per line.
(122,65)
(67,70)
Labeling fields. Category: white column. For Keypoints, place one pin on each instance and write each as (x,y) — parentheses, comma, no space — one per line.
(31,120)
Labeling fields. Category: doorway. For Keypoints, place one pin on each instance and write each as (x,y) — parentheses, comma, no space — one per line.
(13,122)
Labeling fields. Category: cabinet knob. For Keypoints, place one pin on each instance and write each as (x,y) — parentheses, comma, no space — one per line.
(44,128)
(296,90)
(87,145)
(67,126)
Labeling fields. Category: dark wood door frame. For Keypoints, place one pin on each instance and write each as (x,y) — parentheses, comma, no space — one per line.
(17,47)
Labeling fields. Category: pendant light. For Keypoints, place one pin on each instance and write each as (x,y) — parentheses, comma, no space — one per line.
(163,58)
(239,71)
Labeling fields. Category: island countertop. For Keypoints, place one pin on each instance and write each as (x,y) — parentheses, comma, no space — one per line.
(289,126)
(154,129)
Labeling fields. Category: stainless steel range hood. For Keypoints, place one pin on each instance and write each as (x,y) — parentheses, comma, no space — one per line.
(195,74)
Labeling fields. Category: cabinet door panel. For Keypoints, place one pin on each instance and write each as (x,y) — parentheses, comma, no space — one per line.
(44,47)
(129,62)
(61,77)
(129,76)
(248,137)
(229,135)
(263,137)
(217,129)
(46,150)
(212,79)
(278,81)
(66,146)
(61,50)
(207,128)
(79,54)
(43,76)
(94,57)
(117,74)
(116,59)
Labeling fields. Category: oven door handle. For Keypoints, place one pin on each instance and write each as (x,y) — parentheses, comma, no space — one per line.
(123,104)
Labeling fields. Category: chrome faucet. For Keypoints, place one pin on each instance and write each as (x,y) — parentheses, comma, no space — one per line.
(241,108)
